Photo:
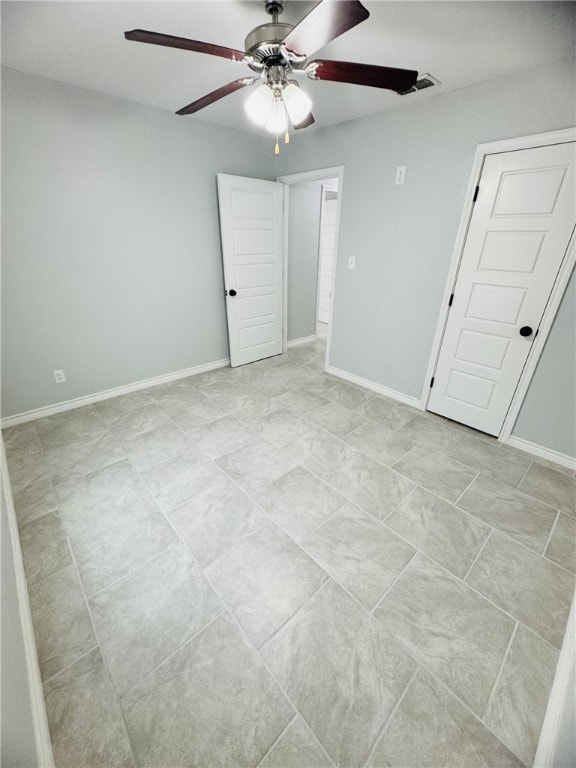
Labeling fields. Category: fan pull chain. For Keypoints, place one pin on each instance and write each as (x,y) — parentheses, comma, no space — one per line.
(277,147)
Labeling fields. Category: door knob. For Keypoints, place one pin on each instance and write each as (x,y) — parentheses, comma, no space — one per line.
(232,292)
(525,330)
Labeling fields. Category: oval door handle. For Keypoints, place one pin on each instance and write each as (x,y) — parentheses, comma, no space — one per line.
(525,330)
(232,292)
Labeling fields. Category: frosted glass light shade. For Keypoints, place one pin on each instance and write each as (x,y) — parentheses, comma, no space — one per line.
(259,104)
(298,103)
(277,121)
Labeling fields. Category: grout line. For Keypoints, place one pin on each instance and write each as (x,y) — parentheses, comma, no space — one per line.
(269,750)
(390,717)
(473,563)
(530,463)
(104,660)
(129,573)
(552,529)
(476,476)
(150,672)
(375,608)
(247,638)
(70,664)
(500,670)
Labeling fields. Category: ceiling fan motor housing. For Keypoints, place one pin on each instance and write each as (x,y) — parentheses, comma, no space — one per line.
(263,44)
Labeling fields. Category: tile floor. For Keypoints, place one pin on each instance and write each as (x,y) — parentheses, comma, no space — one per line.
(267,566)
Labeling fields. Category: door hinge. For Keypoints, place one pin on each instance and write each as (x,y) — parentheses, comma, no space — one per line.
(432,381)
(451,299)
(476,194)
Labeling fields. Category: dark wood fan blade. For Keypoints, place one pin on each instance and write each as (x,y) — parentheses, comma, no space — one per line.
(326,21)
(306,122)
(157,38)
(362,74)
(219,93)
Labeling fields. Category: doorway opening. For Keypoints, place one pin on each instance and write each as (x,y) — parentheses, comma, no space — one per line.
(311,225)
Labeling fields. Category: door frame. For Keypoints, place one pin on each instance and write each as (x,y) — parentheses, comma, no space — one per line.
(319,174)
(482,151)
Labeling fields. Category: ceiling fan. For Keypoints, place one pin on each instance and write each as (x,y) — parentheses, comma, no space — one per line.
(274,51)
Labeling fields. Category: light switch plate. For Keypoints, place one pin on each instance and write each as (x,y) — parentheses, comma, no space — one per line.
(352,262)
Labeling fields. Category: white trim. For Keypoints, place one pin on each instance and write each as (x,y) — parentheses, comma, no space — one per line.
(78,402)
(43,745)
(482,150)
(414,402)
(301,340)
(295,178)
(546,756)
(541,451)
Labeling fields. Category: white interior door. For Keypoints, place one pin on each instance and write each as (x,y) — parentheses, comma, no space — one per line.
(518,235)
(251,234)
(326,256)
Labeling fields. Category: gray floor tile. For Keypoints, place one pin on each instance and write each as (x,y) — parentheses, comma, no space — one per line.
(296,748)
(211,704)
(62,624)
(432,434)
(379,443)
(348,395)
(431,729)
(25,465)
(76,458)
(562,546)
(551,487)
(149,449)
(299,502)
(255,465)
(519,701)
(372,486)
(181,478)
(452,630)
(357,551)
(264,579)
(194,411)
(35,499)
(342,670)
(252,406)
(84,717)
(113,525)
(221,436)
(146,616)
(44,548)
(336,419)
(215,520)
(300,401)
(531,588)
(23,438)
(440,530)
(385,412)
(436,472)
(502,464)
(140,420)
(320,452)
(521,517)
(281,427)
(111,409)
(70,426)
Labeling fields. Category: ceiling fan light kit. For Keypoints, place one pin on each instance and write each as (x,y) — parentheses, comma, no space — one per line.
(274,51)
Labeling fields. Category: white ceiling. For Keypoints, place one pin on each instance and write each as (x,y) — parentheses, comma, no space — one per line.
(460,43)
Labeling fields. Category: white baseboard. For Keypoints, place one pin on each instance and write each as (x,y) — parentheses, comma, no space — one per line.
(302,340)
(43,745)
(543,453)
(77,402)
(378,388)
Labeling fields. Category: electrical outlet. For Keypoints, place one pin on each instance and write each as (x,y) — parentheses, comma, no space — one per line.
(59,376)
(400,174)
(352,262)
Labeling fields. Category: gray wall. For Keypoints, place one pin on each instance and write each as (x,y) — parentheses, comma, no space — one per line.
(17,741)
(386,310)
(303,242)
(111,251)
